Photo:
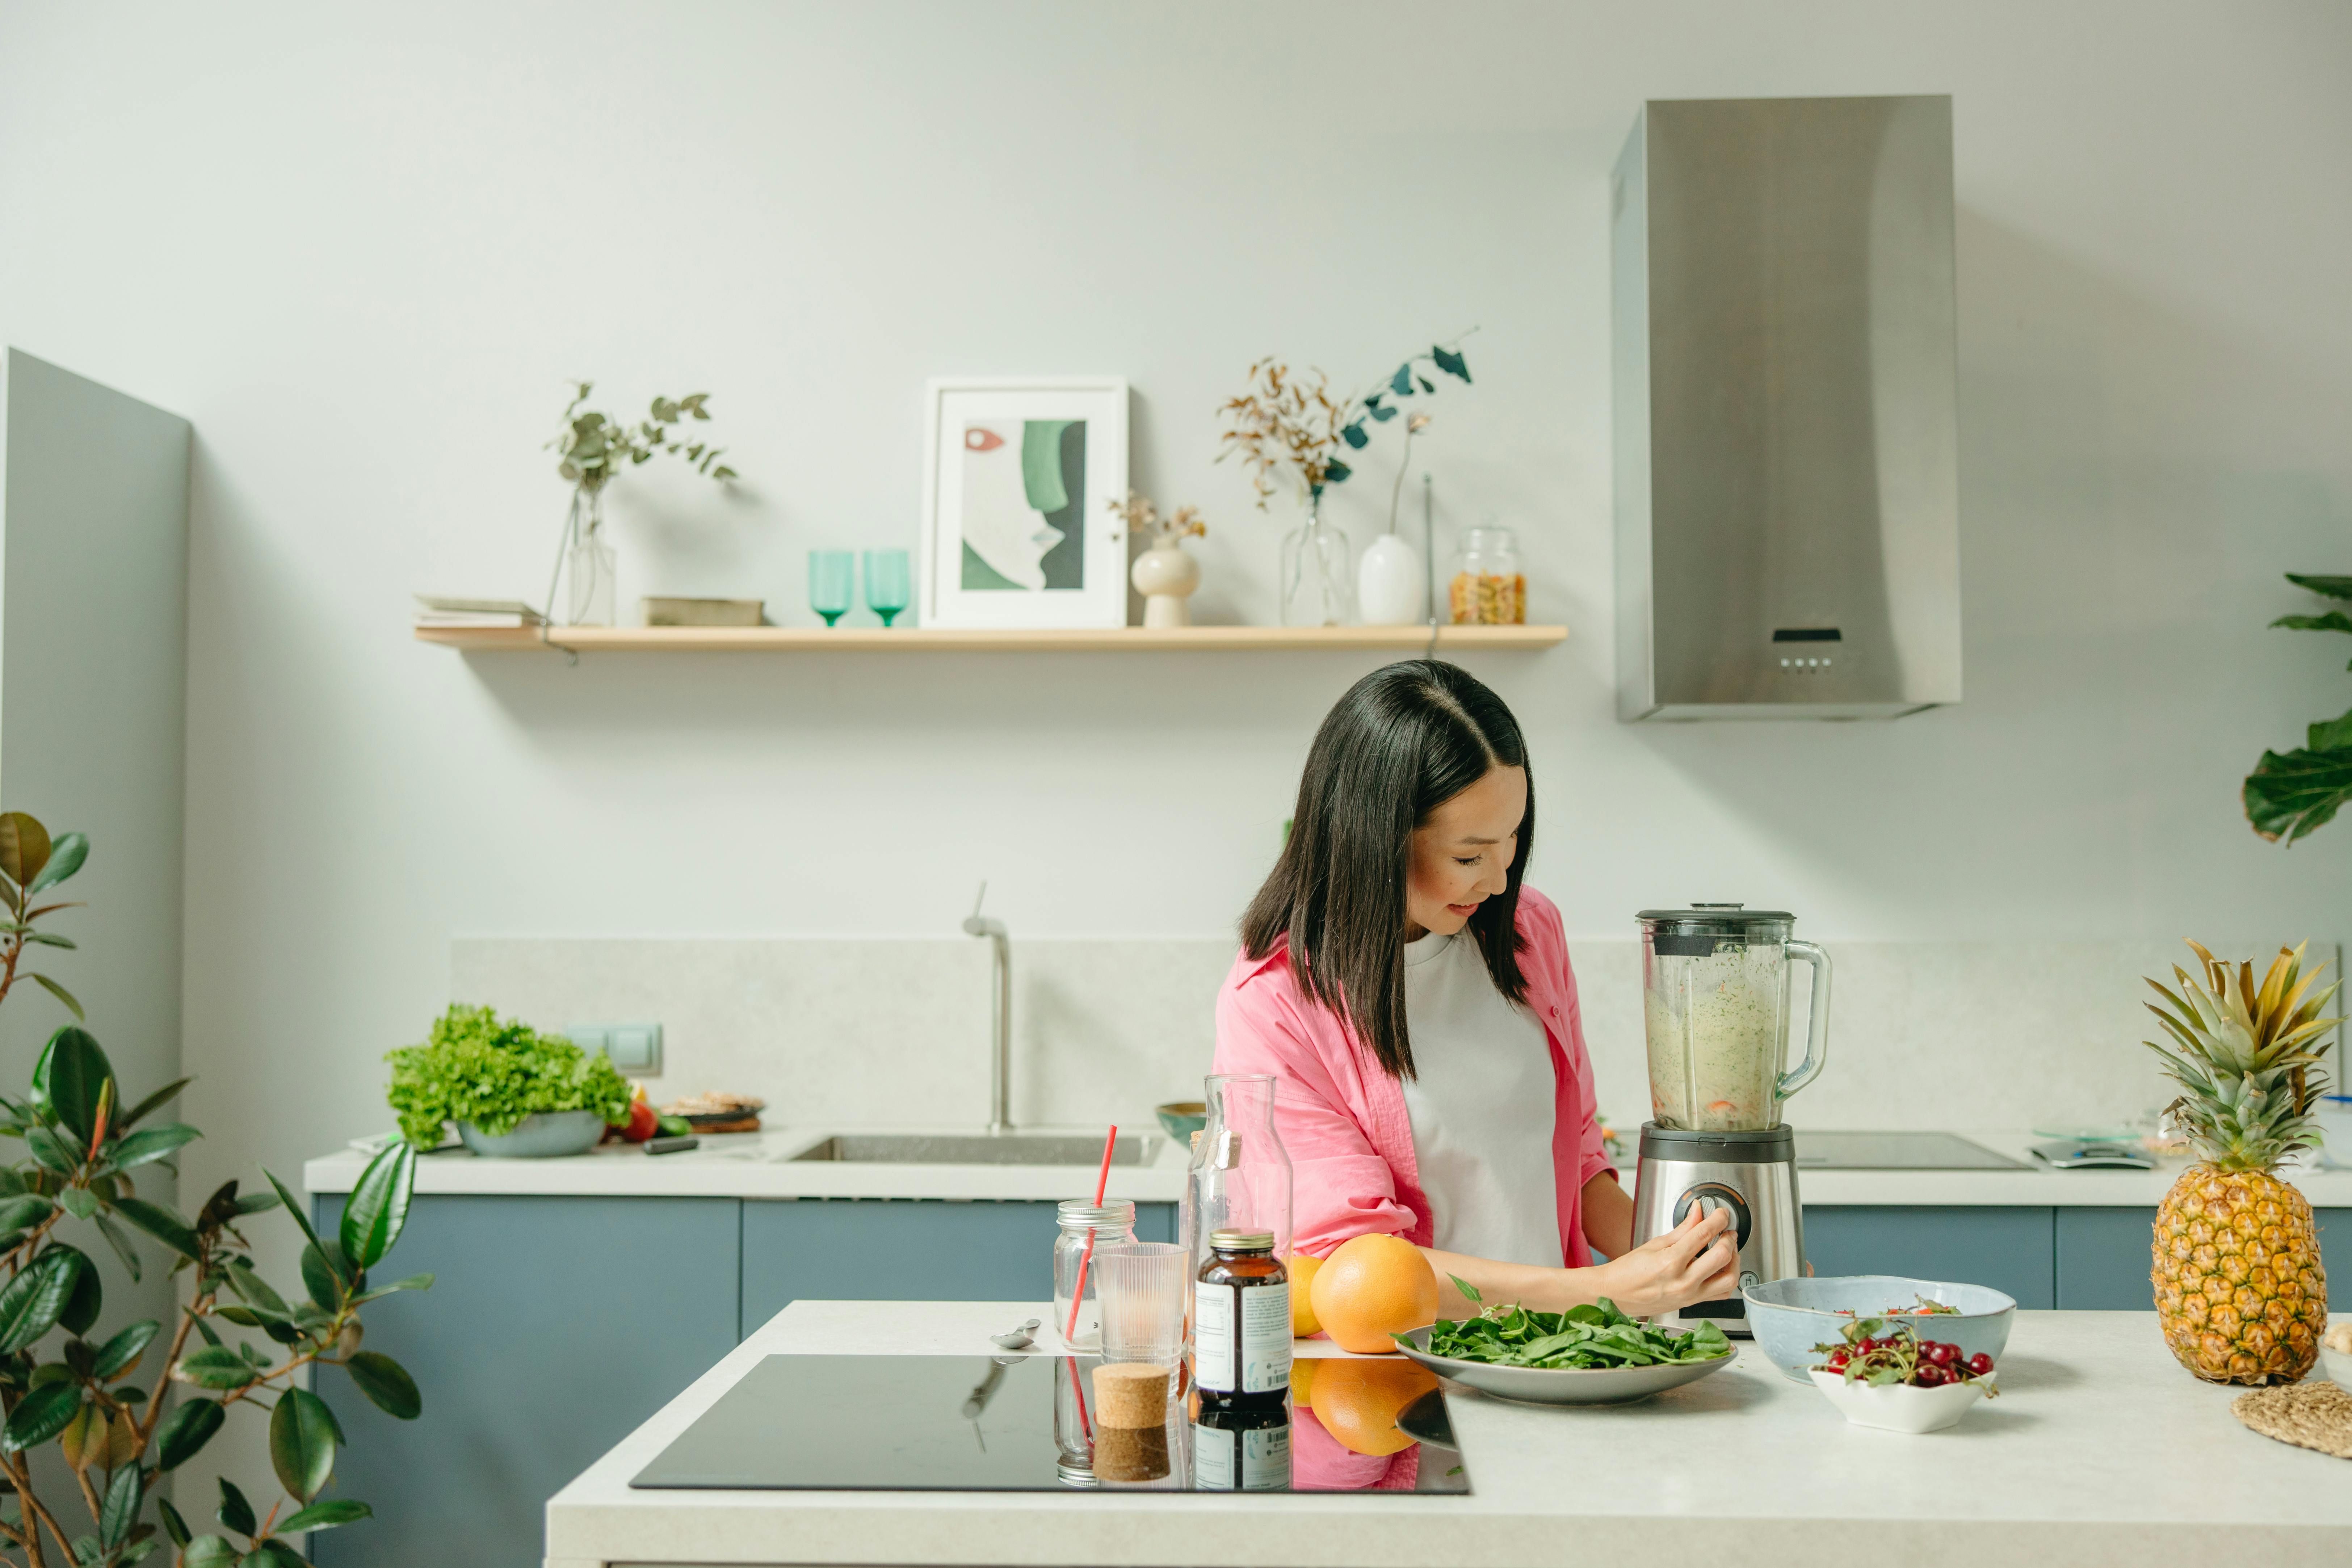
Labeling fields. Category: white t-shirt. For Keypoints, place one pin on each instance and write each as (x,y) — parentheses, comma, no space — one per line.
(1482,1107)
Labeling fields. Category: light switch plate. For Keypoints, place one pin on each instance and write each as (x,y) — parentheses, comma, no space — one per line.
(636,1048)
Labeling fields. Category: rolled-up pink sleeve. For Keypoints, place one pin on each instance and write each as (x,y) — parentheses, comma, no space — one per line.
(1340,1186)
(1592,1149)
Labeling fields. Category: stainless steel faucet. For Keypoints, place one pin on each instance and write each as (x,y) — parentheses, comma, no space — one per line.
(999,1056)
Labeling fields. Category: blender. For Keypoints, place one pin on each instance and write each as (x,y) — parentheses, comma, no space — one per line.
(1714,1005)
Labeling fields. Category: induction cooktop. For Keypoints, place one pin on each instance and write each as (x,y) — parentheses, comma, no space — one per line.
(1896,1151)
(1024,1423)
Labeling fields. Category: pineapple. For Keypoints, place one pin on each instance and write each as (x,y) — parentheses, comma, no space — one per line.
(2240,1289)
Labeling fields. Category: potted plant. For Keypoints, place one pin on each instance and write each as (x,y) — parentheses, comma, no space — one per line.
(2291,794)
(511,1090)
(591,448)
(1284,423)
(66,1385)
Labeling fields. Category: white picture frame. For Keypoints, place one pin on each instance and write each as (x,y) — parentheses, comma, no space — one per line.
(994,551)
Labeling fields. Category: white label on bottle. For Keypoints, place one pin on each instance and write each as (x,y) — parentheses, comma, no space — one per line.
(1213,1337)
(1265,1337)
(1257,1460)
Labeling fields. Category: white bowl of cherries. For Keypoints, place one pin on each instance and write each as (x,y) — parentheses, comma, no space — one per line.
(1883,1374)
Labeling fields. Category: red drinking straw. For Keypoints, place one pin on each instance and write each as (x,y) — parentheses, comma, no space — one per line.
(1102,1183)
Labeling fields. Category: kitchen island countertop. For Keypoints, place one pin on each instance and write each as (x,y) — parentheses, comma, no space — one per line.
(761,1166)
(2099,1450)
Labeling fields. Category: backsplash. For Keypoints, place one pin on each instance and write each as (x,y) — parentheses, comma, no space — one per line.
(1922,1035)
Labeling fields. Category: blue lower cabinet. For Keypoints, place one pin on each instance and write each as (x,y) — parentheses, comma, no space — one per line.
(905,1249)
(554,1327)
(2104,1257)
(2011,1249)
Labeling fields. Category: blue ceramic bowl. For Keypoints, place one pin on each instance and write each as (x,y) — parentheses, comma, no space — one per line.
(1182,1118)
(542,1135)
(1790,1317)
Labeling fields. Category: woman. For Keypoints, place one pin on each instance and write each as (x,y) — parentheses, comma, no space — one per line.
(1415,1003)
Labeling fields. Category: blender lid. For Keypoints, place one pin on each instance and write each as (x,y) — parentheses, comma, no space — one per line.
(1719,915)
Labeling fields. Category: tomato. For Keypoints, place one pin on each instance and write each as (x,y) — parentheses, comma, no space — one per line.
(643,1124)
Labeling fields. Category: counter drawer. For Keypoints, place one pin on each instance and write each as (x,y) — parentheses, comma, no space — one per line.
(2011,1249)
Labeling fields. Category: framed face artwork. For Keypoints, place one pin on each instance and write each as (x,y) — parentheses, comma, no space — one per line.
(1020,477)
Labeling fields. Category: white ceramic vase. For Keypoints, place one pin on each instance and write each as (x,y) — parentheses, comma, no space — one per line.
(1165,575)
(1389,583)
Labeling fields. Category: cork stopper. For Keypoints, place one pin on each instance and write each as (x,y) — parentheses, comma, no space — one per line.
(1131,1395)
(1130,1453)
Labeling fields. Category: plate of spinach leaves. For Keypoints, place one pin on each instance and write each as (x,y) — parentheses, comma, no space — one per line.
(1586,1355)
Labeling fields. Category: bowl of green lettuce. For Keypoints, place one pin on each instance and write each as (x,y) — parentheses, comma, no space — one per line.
(511,1091)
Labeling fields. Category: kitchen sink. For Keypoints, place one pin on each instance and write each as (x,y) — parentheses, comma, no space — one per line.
(974,1148)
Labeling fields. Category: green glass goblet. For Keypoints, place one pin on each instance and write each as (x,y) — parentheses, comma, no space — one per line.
(829,573)
(889,584)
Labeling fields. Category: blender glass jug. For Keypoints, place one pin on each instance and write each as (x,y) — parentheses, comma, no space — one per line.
(1714,1005)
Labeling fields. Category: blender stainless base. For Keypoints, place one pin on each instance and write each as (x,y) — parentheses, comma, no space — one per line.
(1751,1174)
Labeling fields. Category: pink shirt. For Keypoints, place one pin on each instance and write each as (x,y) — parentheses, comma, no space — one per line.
(1343,1118)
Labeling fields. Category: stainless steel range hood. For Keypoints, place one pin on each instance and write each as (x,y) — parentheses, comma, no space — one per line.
(1787,517)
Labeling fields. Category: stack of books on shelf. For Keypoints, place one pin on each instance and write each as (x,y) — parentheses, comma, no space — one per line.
(435,610)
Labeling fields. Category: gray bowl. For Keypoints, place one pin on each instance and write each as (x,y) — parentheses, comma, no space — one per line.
(1790,1317)
(1559,1385)
(542,1135)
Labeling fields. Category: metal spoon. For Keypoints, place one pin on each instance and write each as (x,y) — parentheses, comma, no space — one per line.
(1016,1338)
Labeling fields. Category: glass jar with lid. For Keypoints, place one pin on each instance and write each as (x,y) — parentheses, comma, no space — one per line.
(1489,588)
(1106,1226)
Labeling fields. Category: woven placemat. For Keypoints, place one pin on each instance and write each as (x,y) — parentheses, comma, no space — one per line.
(2312,1413)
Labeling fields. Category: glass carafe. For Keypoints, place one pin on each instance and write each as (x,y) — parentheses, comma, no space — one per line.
(1714,1008)
(1240,1176)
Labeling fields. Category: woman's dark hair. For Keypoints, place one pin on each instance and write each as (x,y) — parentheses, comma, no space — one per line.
(1401,744)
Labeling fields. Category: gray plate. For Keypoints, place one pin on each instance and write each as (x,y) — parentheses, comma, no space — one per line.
(1560,1385)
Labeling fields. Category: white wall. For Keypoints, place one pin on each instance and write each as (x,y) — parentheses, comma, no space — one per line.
(362,250)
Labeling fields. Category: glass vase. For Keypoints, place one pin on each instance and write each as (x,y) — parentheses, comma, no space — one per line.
(1240,1175)
(1318,573)
(590,567)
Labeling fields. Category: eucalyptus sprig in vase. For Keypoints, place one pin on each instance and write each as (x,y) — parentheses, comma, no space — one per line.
(591,448)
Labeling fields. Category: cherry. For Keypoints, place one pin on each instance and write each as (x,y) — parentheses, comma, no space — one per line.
(1928,1375)
(1979,1365)
(1838,1360)
(1937,1354)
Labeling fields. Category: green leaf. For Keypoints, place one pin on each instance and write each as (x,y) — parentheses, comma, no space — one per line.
(1469,1291)
(215,1366)
(301,1444)
(2333,621)
(209,1551)
(51,939)
(2333,587)
(88,1300)
(120,1353)
(273,1553)
(378,1205)
(32,1302)
(68,1078)
(24,1211)
(1452,363)
(246,1282)
(154,1101)
(386,1384)
(163,1224)
(123,1250)
(175,1527)
(293,1208)
(40,1415)
(78,1202)
(189,1427)
(256,1202)
(2287,796)
(61,994)
(65,854)
(121,1508)
(1401,382)
(414,1282)
(2332,735)
(326,1287)
(326,1515)
(51,1151)
(235,1511)
(1336,472)
(153,1144)
(1383,412)
(23,846)
(1354,435)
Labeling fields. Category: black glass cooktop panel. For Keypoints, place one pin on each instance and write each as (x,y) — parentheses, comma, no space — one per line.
(1024,1423)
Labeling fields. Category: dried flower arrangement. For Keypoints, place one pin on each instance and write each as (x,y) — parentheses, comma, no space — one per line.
(1285,422)
(1158,532)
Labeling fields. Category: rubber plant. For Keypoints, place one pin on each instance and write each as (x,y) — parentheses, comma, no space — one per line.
(66,1384)
(2292,793)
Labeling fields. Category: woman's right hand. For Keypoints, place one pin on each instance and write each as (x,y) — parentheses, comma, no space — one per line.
(1696,1262)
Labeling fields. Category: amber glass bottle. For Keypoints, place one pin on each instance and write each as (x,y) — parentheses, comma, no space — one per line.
(1241,1322)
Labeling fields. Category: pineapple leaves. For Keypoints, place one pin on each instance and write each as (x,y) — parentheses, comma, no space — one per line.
(2247,1057)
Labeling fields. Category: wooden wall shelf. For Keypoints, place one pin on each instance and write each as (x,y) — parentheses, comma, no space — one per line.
(942,639)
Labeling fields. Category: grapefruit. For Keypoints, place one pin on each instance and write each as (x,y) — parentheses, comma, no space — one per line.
(1303,1267)
(1370,1288)
(1358,1402)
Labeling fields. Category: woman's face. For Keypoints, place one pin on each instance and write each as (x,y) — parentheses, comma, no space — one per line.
(1462,856)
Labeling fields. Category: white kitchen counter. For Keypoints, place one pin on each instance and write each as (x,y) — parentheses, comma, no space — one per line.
(2099,1450)
(760,1165)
